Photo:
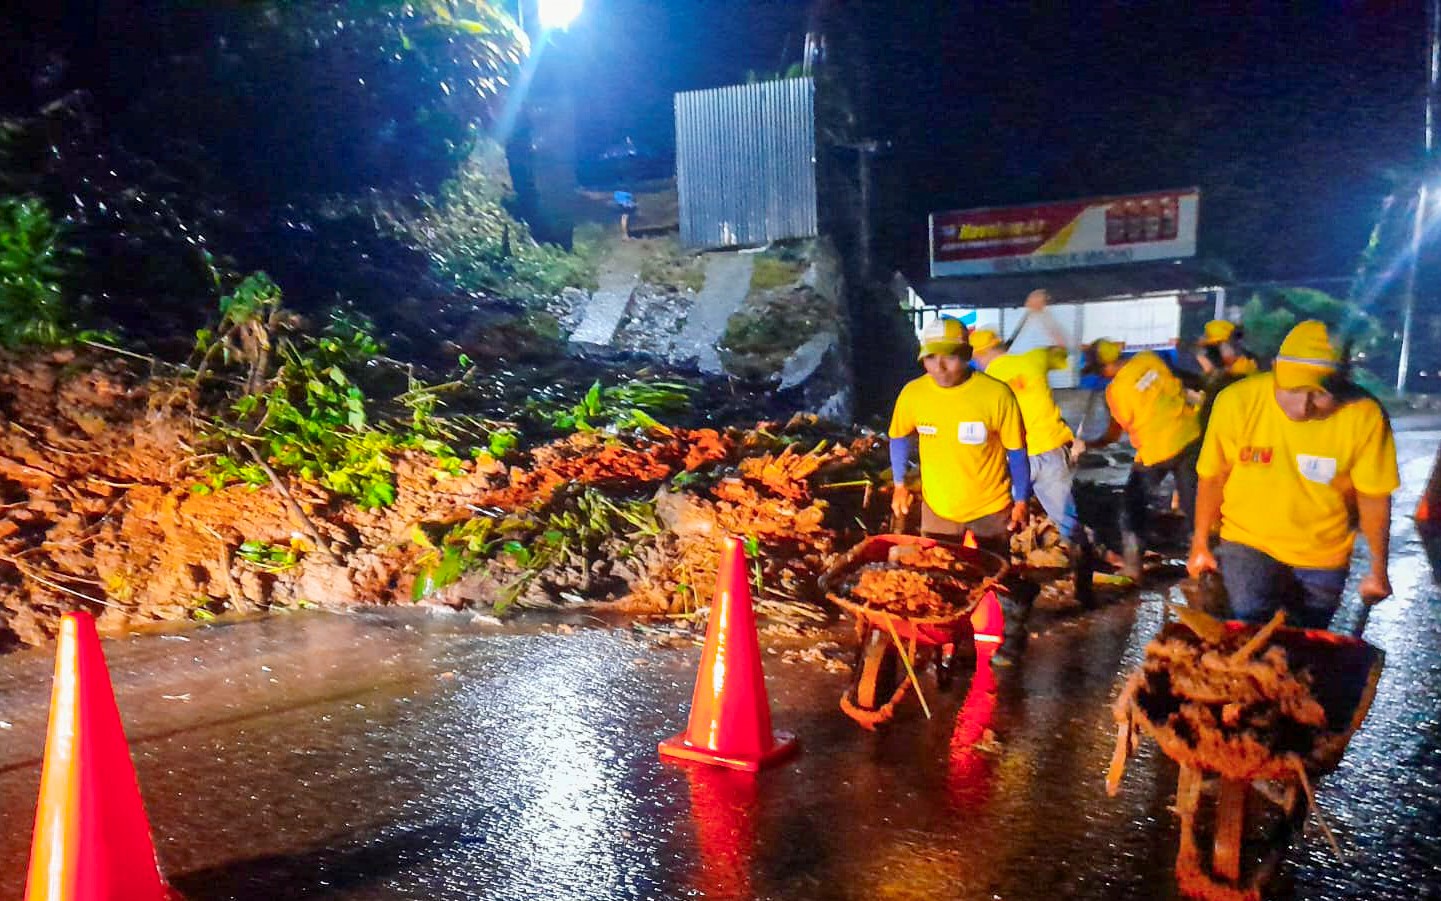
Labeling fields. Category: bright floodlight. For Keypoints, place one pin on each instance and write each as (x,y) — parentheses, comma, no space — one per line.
(559,13)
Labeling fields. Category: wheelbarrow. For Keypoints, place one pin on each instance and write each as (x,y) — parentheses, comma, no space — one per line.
(1344,673)
(892,649)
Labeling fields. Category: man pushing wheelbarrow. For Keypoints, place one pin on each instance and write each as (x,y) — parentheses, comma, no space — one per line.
(975,472)
(1293,462)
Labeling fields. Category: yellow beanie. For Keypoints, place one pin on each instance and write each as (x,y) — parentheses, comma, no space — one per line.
(983,339)
(1218,331)
(942,335)
(1307,357)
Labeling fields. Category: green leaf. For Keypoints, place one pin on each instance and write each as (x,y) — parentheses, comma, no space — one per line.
(518,552)
(592,400)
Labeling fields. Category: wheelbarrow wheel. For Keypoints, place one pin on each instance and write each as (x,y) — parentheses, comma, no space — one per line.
(946,666)
(878,672)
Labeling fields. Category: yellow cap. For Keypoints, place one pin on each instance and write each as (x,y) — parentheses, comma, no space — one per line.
(983,339)
(1307,357)
(1218,331)
(942,335)
(1101,352)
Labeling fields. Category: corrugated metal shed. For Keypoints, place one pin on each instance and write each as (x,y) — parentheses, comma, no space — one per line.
(746,163)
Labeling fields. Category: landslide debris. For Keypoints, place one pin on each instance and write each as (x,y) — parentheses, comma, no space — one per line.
(129,490)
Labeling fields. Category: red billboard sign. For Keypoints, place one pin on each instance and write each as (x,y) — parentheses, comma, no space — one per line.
(1098,231)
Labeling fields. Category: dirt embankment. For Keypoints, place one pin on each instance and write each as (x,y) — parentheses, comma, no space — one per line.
(97,512)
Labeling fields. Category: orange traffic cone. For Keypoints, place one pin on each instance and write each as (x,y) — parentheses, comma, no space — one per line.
(92,840)
(730,716)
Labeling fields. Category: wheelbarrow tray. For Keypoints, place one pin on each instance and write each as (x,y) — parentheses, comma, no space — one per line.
(1344,673)
(934,630)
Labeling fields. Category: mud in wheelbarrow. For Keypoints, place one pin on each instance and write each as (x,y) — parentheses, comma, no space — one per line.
(887,640)
(1263,779)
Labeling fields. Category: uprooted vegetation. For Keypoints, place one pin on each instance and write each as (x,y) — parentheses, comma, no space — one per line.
(289,465)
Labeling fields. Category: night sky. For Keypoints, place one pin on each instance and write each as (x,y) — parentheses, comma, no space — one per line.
(1288,116)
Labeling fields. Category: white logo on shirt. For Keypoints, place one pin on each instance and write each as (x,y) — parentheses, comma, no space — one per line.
(1320,470)
(971,433)
(1147,380)
(926,429)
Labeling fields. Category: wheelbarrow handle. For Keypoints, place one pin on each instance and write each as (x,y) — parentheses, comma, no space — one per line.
(1359,627)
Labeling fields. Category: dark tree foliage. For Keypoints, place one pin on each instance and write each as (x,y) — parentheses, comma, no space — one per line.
(176,137)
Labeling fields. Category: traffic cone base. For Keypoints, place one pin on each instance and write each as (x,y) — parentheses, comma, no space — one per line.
(679,748)
(730,715)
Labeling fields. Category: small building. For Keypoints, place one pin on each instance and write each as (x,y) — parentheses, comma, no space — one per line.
(1115,267)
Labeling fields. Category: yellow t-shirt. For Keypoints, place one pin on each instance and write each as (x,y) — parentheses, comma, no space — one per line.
(1290,486)
(1026,374)
(1148,401)
(965,432)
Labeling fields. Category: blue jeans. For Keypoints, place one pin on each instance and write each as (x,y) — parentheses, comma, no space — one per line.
(1051,478)
(1258,585)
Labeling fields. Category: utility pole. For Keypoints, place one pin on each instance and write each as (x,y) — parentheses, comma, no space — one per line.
(1418,228)
(866,150)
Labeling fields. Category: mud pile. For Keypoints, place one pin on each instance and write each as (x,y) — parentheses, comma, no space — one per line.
(98,511)
(1228,701)
(917,583)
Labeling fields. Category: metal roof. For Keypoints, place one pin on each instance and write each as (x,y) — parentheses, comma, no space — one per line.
(1069,286)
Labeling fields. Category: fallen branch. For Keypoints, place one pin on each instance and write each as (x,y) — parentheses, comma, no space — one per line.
(1259,640)
(30,573)
(297,515)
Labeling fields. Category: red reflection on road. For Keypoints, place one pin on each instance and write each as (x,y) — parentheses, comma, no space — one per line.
(722,805)
(969,774)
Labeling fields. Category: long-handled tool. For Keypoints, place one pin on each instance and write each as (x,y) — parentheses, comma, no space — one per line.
(1016,332)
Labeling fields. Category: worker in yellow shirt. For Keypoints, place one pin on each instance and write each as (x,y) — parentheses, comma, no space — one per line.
(1220,353)
(1223,359)
(1290,457)
(1148,402)
(1050,444)
(975,475)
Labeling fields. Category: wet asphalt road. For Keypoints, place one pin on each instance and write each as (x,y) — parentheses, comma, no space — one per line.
(414,755)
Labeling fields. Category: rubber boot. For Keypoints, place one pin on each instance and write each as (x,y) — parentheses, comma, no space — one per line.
(1015,606)
(1133,554)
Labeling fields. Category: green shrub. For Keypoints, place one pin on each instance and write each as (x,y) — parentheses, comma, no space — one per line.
(1271,313)
(33,264)
(477,246)
(308,417)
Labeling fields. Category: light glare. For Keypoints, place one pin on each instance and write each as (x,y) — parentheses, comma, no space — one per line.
(559,13)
